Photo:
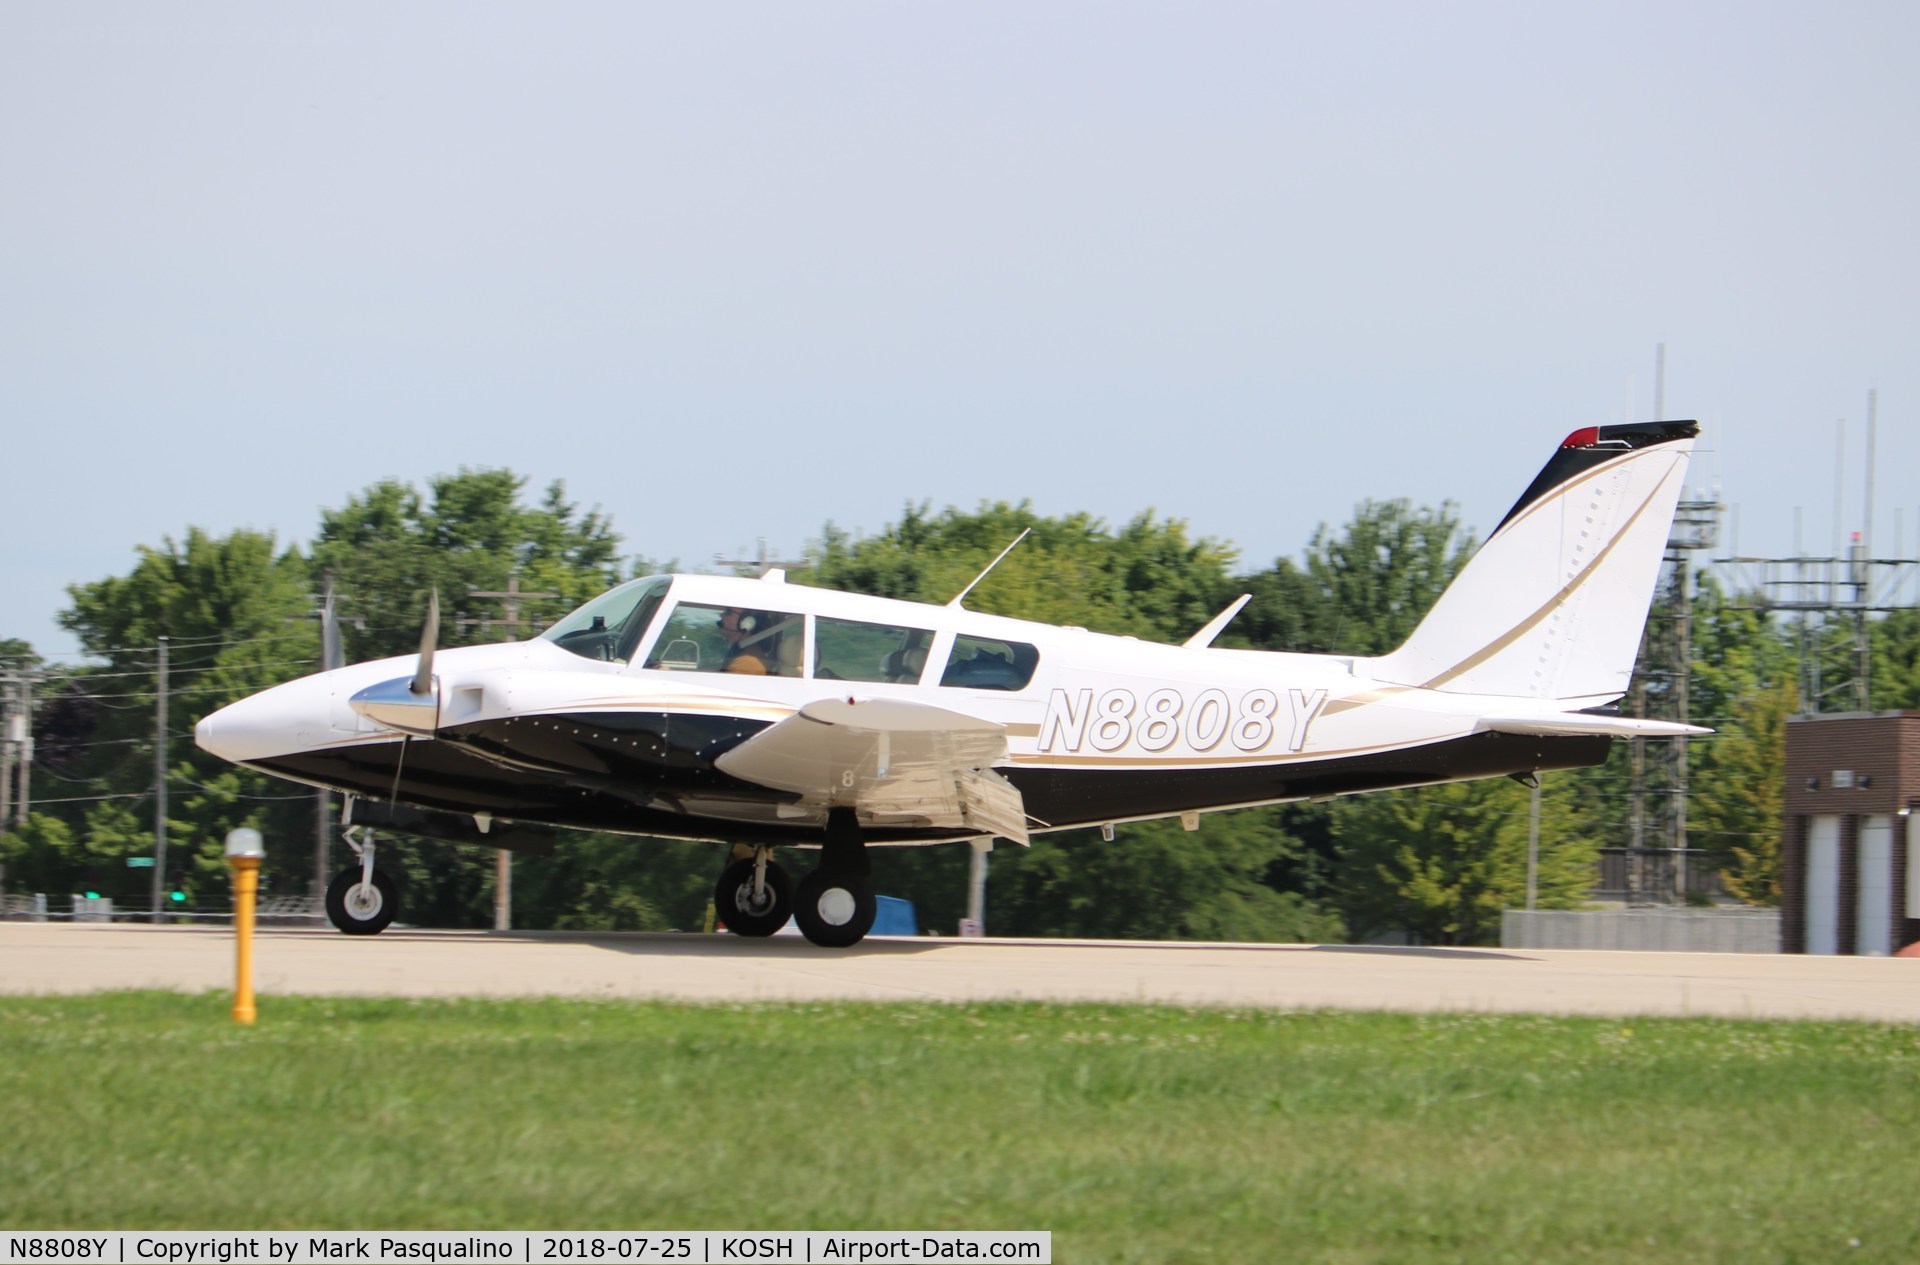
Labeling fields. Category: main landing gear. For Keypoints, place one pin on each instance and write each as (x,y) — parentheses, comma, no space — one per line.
(754,896)
(361,901)
(833,905)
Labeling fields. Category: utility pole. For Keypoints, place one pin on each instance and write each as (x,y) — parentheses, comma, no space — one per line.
(22,744)
(1533,843)
(10,729)
(331,657)
(510,599)
(977,885)
(322,846)
(16,751)
(762,563)
(159,779)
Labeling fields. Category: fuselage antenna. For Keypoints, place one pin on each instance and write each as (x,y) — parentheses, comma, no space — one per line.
(990,566)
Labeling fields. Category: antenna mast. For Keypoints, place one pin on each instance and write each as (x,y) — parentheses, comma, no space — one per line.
(990,566)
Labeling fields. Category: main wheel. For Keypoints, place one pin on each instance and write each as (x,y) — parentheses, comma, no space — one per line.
(834,910)
(733,899)
(357,911)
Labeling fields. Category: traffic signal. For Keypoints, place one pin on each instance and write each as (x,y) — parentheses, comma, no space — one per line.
(175,880)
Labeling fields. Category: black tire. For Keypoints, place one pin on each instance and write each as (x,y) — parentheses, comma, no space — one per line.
(733,899)
(835,911)
(361,918)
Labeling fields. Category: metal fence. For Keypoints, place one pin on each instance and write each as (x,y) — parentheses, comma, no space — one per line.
(280,911)
(1676,930)
(1649,874)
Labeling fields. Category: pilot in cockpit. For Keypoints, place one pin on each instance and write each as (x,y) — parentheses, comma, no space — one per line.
(746,653)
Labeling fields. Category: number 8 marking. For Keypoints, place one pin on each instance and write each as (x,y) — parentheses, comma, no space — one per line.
(1162,726)
(1254,729)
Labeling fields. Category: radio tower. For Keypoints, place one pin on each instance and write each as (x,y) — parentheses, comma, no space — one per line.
(1657,856)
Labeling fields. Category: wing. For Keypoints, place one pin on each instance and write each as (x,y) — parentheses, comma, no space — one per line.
(896,761)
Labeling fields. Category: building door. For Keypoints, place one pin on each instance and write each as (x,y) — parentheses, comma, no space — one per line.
(1913,864)
(1823,884)
(1873,936)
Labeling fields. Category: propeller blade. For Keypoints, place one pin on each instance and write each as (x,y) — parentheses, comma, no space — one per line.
(429,637)
(332,654)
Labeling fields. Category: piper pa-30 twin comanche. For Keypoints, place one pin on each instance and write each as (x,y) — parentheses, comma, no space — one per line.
(763,714)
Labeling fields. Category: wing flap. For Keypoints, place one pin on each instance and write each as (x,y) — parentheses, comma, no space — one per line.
(895,761)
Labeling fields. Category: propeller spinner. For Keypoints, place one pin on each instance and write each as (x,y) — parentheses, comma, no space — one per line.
(408,704)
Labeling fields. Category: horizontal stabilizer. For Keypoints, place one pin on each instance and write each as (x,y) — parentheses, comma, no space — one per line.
(1581,724)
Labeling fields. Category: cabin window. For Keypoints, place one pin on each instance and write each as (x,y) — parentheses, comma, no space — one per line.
(845,650)
(609,627)
(738,639)
(981,663)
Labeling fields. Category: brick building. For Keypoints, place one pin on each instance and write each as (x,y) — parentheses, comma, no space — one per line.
(1850,863)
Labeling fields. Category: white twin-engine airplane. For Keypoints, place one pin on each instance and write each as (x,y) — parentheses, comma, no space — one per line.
(763,714)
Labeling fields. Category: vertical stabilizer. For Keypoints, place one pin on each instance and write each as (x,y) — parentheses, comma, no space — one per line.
(1553,604)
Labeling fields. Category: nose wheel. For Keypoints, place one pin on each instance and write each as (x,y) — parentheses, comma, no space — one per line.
(358,908)
(361,901)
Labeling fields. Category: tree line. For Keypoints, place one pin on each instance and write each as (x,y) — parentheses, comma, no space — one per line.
(239,613)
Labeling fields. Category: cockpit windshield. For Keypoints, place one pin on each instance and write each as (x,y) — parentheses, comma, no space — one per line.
(610,626)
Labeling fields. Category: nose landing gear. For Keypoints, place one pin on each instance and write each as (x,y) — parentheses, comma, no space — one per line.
(360,900)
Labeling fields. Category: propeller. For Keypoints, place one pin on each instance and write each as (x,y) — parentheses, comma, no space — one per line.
(332,654)
(429,636)
(408,704)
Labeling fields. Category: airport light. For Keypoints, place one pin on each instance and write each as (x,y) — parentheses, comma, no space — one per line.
(244,853)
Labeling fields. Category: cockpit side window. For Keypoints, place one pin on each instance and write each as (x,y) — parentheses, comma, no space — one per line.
(609,627)
(982,663)
(734,639)
(846,650)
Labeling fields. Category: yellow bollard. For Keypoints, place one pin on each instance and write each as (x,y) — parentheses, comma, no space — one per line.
(244,853)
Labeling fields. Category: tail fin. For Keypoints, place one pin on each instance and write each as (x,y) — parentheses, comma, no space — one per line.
(1553,604)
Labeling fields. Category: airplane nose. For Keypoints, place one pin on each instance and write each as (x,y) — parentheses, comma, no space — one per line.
(235,732)
(269,723)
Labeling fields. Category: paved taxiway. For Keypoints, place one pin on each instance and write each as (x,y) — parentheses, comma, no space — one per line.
(67,958)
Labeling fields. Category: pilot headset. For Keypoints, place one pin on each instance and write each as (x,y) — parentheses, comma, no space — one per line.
(748,621)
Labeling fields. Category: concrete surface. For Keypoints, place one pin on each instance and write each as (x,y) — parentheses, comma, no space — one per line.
(67,958)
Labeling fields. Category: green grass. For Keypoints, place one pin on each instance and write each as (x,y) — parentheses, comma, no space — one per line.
(1133,1133)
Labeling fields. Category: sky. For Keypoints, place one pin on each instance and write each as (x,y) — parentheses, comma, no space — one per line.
(735,271)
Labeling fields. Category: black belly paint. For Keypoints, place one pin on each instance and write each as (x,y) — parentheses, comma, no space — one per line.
(624,772)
